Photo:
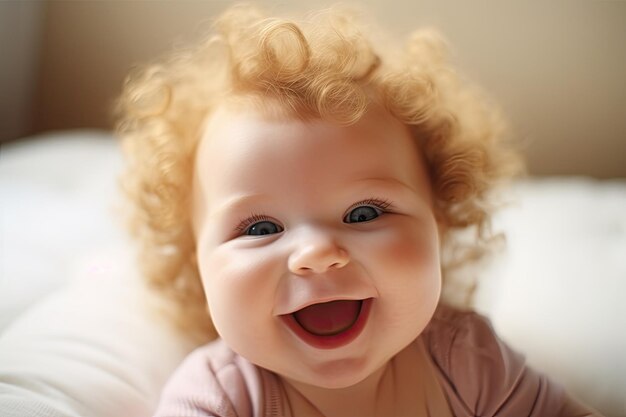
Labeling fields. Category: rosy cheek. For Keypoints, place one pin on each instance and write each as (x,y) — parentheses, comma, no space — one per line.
(408,249)
(238,284)
(409,273)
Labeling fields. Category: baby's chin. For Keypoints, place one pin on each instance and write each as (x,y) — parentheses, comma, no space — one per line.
(337,375)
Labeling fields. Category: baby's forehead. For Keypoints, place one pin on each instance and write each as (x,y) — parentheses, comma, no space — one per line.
(237,136)
(252,122)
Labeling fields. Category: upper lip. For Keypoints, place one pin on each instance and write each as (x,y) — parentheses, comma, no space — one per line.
(301,292)
(321,301)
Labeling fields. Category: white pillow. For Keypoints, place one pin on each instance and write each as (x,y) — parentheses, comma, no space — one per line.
(93,348)
(557,292)
(89,346)
(58,194)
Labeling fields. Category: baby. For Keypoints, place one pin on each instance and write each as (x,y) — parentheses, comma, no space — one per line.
(304,185)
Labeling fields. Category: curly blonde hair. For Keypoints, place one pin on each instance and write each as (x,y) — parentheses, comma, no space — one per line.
(321,67)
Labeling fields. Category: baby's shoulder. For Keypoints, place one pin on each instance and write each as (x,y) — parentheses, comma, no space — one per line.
(456,337)
(212,380)
(481,374)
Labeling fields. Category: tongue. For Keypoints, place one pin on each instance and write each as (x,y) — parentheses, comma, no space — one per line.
(327,319)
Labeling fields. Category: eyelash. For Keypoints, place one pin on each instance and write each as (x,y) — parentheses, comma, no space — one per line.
(249,221)
(380,203)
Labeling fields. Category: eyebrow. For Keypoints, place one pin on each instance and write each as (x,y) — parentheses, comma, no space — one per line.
(398,185)
(234,203)
(386,181)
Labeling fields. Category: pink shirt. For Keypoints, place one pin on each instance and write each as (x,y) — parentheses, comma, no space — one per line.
(478,373)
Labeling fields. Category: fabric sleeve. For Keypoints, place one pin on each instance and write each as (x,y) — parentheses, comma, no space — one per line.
(199,389)
(482,376)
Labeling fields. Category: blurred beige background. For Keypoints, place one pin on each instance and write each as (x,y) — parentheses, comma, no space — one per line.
(558,68)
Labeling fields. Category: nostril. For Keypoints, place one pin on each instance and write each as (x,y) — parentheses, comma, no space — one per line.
(317,258)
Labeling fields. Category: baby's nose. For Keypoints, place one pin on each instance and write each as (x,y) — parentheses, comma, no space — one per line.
(316,251)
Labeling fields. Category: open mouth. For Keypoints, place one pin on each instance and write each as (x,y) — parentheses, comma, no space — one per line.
(329,325)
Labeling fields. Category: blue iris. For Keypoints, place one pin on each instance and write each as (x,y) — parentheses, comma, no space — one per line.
(362,214)
(263,228)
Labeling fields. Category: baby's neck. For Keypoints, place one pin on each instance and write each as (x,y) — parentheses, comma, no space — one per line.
(310,401)
(406,385)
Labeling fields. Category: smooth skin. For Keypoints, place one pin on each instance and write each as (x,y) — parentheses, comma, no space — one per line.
(288,213)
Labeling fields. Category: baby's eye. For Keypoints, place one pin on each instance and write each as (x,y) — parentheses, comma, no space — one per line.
(367,210)
(264,227)
(362,214)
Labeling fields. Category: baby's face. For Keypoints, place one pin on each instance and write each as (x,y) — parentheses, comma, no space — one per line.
(317,244)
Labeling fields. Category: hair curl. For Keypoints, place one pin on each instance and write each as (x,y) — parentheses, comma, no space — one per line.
(324,67)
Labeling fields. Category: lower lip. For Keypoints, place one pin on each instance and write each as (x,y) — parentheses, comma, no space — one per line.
(337,340)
